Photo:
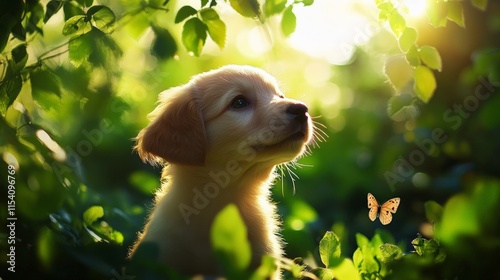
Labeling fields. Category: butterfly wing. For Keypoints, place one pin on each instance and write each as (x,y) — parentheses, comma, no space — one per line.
(373,206)
(390,206)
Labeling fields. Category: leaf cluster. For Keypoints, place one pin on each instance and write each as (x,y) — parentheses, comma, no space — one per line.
(419,61)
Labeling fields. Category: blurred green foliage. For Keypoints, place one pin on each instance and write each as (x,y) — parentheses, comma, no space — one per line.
(413,113)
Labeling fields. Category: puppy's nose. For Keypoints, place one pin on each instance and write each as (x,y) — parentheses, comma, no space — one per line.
(298,110)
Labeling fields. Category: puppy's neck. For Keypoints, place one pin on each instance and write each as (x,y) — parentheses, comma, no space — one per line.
(196,194)
(225,177)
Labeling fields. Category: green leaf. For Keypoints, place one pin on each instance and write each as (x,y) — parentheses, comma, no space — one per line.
(385,11)
(116,237)
(45,88)
(9,90)
(272,7)
(106,51)
(345,270)
(103,17)
(480,4)
(229,242)
(431,248)
(12,83)
(296,270)
(361,240)
(418,244)
(428,249)
(80,48)
(157,3)
(46,81)
(425,83)
(86,3)
(76,24)
(204,3)
(407,39)
(71,9)
(92,214)
(430,56)
(438,14)
(324,273)
(456,13)
(10,19)
(266,269)
(357,258)
(376,242)
(390,252)
(459,219)
(441,256)
(401,107)
(194,35)
(246,8)
(307,2)
(369,264)
(412,56)
(208,14)
(216,27)
(52,7)
(397,23)
(329,248)
(19,58)
(35,19)
(19,32)
(433,211)
(398,71)
(164,45)
(184,12)
(288,21)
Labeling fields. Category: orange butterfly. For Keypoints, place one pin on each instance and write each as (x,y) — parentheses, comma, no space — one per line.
(384,215)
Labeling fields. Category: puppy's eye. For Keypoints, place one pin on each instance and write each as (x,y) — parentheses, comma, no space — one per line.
(239,102)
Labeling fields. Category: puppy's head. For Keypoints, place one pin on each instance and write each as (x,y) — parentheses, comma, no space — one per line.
(232,113)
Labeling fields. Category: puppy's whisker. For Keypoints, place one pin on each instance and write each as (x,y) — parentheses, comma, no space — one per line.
(293,176)
(320,135)
(308,149)
(318,129)
(300,165)
(282,176)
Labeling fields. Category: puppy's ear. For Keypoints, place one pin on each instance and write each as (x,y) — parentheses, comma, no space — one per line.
(176,132)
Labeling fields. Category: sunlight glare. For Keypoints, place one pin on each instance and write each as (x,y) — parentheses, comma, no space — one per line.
(416,8)
(44,137)
(331,30)
(253,42)
(10,159)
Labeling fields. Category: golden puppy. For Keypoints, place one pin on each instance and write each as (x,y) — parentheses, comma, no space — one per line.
(219,138)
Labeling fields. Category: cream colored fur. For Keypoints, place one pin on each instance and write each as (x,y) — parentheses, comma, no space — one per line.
(219,138)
